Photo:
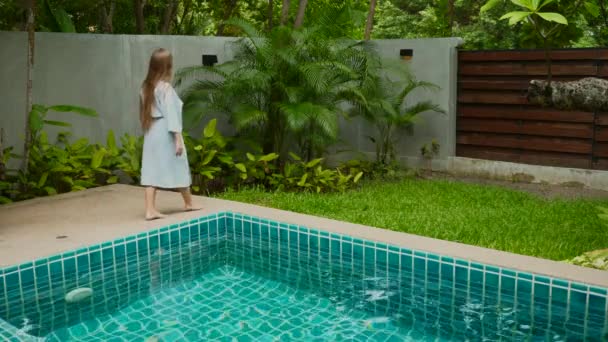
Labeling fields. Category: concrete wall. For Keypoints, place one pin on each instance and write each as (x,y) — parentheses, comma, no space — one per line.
(104,72)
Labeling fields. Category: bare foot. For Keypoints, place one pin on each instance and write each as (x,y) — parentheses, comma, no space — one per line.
(191,208)
(154,216)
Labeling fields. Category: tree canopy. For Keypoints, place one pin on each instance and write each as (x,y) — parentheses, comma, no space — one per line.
(588,19)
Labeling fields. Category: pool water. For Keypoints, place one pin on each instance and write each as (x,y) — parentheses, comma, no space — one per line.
(235,285)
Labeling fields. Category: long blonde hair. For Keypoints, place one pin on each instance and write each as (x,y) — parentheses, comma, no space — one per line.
(160,69)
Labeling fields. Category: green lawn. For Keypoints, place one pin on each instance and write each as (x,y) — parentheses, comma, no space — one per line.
(479,215)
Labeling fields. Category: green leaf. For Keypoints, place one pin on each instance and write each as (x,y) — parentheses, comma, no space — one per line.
(525,4)
(313,162)
(111,141)
(241,167)
(209,157)
(58,123)
(302,181)
(207,174)
(198,147)
(552,16)
(210,129)
(489,5)
(50,190)
(74,109)
(357,177)
(592,9)
(112,180)
(294,156)
(43,179)
(37,118)
(250,156)
(97,159)
(269,157)
(515,17)
(243,176)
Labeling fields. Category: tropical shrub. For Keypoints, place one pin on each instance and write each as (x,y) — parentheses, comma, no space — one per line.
(285,87)
(388,107)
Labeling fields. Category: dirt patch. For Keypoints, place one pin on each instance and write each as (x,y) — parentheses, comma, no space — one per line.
(565,191)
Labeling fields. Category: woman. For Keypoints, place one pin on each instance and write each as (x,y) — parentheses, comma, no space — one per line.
(164,160)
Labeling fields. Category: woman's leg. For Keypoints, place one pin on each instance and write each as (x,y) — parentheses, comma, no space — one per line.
(187,198)
(150,198)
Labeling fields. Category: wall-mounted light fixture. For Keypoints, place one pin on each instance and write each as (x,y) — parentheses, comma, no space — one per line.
(209,60)
(406,54)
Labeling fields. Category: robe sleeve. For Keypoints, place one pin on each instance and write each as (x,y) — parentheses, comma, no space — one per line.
(173,110)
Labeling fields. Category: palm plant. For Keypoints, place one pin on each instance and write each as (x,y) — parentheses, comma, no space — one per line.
(286,87)
(388,108)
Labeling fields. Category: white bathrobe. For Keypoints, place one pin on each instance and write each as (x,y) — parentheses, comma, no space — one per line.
(160,166)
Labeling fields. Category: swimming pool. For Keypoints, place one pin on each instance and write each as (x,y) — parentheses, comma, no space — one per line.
(230,276)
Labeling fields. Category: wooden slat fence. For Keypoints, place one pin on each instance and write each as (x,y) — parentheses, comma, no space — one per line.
(496,122)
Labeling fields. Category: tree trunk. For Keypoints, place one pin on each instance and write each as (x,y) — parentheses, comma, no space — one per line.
(588,94)
(285,12)
(270,14)
(370,19)
(140,25)
(31,42)
(182,21)
(231,5)
(168,17)
(300,15)
(451,15)
(106,17)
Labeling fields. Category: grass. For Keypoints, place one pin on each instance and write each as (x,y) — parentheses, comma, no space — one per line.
(485,216)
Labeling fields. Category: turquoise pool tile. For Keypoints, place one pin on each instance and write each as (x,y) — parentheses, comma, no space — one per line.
(323,233)
(27,276)
(598,290)
(358,251)
(420,254)
(303,241)
(393,258)
(347,238)
(381,257)
(577,300)
(131,248)
(142,247)
(419,265)
(462,262)
(303,229)
(541,293)
(524,290)
(293,237)
(214,229)
(95,259)
(69,265)
(324,244)
(597,304)
(265,232)
(476,276)
(492,280)
(153,244)
(559,282)
(203,230)
(447,260)
(508,272)
(580,287)
(284,235)
(432,256)
(12,280)
(82,262)
(247,229)
(56,268)
(120,250)
(462,274)
(370,255)
(524,275)
(432,268)
(335,247)
(447,271)
(358,241)
(507,285)
(256,230)
(543,280)
(559,296)
(41,271)
(477,266)
(406,262)
(174,237)
(492,269)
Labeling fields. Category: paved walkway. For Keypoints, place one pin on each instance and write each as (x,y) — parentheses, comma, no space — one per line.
(29,230)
